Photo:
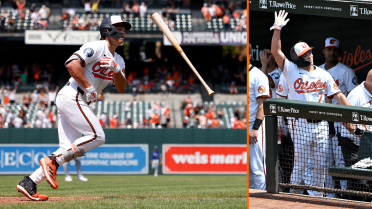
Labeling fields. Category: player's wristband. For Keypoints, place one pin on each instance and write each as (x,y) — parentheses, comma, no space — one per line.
(278,27)
(257,124)
(358,132)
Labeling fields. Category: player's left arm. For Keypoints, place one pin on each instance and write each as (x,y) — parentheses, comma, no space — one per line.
(341,99)
(259,118)
(120,81)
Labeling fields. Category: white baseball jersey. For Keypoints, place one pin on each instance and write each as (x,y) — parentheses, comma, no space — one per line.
(307,86)
(274,76)
(258,87)
(90,55)
(359,97)
(282,88)
(344,77)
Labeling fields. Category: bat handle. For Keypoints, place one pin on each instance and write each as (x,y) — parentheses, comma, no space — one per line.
(210,91)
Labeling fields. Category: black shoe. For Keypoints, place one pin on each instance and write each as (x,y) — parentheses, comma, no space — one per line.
(28,188)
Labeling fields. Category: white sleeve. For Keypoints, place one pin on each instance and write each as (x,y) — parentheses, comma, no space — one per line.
(282,89)
(288,67)
(331,87)
(89,52)
(262,87)
(351,80)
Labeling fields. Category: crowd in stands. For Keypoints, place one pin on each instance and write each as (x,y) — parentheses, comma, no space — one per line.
(42,99)
(161,77)
(198,115)
(87,22)
(39,17)
(221,11)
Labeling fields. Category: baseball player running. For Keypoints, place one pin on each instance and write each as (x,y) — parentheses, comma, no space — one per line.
(312,84)
(346,80)
(258,93)
(92,68)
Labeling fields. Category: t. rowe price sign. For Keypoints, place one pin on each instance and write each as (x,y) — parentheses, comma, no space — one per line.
(204,159)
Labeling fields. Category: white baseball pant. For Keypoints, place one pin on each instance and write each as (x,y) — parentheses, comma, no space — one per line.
(257,160)
(309,139)
(76,118)
(334,158)
(154,165)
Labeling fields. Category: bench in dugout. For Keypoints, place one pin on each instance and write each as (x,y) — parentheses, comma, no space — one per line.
(307,120)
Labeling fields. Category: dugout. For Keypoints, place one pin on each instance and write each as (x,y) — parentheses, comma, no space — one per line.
(314,21)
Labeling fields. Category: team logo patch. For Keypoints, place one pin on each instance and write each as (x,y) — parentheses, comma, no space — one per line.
(332,41)
(304,45)
(335,86)
(280,88)
(88,52)
(261,89)
(275,75)
(355,81)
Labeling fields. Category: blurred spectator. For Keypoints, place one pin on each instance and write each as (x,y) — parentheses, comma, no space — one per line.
(52,95)
(44,12)
(128,122)
(2,20)
(233,88)
(87,6)
(142,10)
(12,96)
(27,100)
(212,10)
(237,124)
(35,17)
(134,94)
(1,92)
(35,97)
(226,21)
(6,95)
(218,11)
(114,122)
(236,15)
(71,11)
(125,9)
(135,9)
(104,119)
(21,6)
(2,111)
(52,118)
(171,24)
(2,122)
(42,97)
(14,8)
(32,7)
(9,119)
(11,24)
(64,16)
(95,6)
(18,122)
(231,7)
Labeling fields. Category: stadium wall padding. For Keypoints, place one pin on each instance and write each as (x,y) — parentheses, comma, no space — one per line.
(132,136)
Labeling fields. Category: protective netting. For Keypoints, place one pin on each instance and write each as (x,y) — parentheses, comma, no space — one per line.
(322,158)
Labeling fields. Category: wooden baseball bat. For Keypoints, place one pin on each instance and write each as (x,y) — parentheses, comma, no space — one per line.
(163,27)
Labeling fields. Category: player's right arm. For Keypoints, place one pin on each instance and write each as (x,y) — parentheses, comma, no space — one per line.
(276,44)
(77,72)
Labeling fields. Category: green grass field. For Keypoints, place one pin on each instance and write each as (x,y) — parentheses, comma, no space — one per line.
(138,191)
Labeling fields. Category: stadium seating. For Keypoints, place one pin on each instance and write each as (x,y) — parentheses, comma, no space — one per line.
(136,111)
(228,110)
(145,24)
(216,25)
(19,25)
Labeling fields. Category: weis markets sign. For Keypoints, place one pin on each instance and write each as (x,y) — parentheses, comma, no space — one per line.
(57,37)
(208,38)
(106,159)
(205,159)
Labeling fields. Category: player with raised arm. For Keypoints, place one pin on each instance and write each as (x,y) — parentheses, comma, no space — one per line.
(346,81)
(258,93)
(92,68)
(312,84)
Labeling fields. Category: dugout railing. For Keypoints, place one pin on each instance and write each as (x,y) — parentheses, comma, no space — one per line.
(301,148)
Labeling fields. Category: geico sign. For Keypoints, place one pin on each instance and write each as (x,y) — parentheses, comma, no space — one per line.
(216,159)
(23,158)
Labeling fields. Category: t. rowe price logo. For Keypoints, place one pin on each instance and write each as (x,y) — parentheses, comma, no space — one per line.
(355,116)
(263,4)
(272,108)
(354,10)
(360,57)
(285,5)
(205,159)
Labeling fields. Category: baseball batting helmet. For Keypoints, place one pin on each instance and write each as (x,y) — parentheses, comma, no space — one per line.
(107,27)
(296,51)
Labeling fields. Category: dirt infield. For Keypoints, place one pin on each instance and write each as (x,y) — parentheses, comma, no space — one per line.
(262,199)
(7,200)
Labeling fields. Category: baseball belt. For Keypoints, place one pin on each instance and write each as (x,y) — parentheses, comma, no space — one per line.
(79,90)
